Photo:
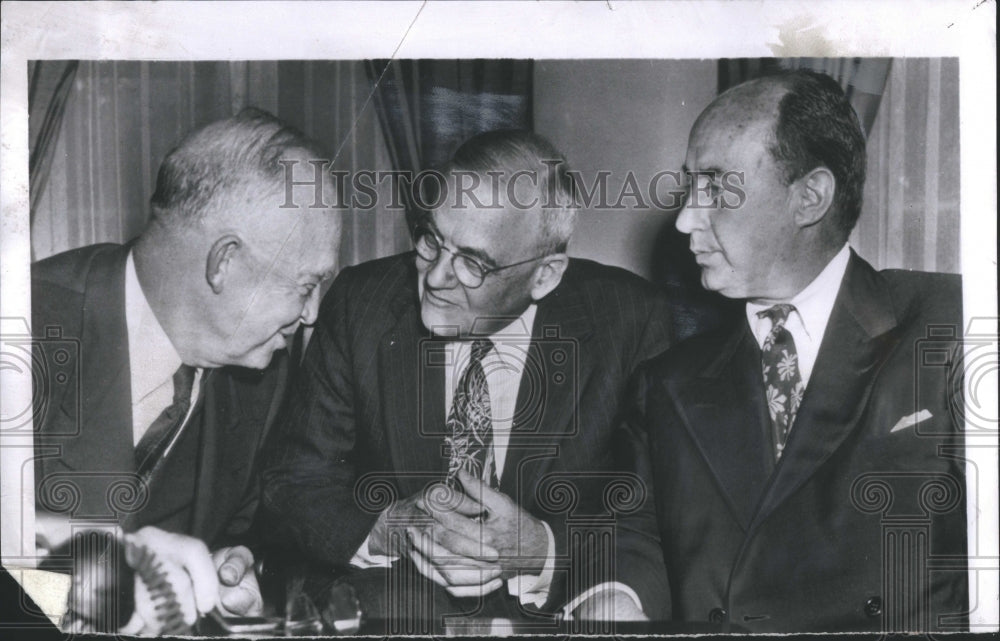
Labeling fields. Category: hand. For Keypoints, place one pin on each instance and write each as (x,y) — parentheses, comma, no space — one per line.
(239,593)
(186,565)
(495,524)
(387,539)
(459,563)
(610,605)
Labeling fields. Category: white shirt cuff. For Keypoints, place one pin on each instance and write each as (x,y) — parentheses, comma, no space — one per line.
(531,589)
(364,559)
(597,589)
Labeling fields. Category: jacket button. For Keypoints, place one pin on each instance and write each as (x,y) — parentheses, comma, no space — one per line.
(717,615)
(873,606)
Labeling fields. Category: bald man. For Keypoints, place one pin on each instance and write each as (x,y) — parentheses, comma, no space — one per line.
(806,461)
(166,357)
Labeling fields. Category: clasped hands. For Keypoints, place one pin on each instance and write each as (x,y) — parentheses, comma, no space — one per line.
(201,580)
(468,540)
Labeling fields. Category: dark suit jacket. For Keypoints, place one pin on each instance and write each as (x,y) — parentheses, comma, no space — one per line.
(85,465)
(366,424)
(841,533)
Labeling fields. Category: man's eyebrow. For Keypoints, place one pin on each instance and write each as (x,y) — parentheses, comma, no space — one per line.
(478,253)
(468,251)
(317,275)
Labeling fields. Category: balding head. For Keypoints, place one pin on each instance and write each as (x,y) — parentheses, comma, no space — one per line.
(229,267)
(812,124)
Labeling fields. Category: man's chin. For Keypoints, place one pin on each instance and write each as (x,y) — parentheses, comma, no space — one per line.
(257,359)
(438,324)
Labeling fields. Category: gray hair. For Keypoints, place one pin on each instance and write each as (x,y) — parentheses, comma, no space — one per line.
(509,151)
(222,161)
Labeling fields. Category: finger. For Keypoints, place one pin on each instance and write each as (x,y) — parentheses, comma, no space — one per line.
(426,568)
(442,499)
(455,570)
(462,545)
(192,555)
(232,564)
(440,555)
(464,591)
(462,525)
(482,493)
(244,599)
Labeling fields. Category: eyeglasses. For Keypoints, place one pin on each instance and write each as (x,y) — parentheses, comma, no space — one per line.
(469,271)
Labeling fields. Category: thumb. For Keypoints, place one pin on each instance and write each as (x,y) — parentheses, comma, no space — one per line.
(232,564)
(481,492)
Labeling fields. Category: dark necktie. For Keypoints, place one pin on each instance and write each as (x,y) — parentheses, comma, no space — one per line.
(470,423)
(153,443)
(782,380)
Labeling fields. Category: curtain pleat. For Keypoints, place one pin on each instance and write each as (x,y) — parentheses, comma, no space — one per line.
(910,217)
(121,118)
(50,87)
(427,108)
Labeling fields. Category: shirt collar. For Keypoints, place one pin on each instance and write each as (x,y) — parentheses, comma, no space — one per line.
(520,327)
(152,357)
(814,304)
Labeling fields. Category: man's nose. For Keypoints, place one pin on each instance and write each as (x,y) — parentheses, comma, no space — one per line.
(691,217)
(441,274)
(311,309)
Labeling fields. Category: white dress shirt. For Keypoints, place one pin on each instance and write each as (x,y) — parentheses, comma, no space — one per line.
(152,360)
(503,367)
(813,306)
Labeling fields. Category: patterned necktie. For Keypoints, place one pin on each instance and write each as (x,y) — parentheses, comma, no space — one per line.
(153,443)
(782,380)
(470,423)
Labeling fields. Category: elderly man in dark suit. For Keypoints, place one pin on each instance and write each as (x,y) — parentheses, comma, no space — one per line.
(177,363)
(457,404)
(806,462)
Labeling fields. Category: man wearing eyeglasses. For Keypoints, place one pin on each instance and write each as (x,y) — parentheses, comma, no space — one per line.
(452,432)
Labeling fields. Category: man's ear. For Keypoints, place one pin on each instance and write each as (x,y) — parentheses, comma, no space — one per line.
(219,262)
(814,196)
(548,275)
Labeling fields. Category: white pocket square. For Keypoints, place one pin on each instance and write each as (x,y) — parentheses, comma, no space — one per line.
(911,420)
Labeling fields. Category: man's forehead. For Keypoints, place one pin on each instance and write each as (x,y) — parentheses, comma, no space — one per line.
(727,132)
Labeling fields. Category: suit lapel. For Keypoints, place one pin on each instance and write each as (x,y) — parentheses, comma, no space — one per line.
(554,374)
(725,414)
(857,341)
(104,443)
(412,393)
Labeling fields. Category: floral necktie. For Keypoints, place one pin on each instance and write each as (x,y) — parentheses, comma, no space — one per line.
(470,423)
(782,380)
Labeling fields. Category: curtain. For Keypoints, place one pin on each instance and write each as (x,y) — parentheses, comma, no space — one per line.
(427,108)
(910,217)
(122,118)
(49,88)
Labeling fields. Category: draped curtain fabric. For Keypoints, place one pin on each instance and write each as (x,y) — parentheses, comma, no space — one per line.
(427,108)
(910,217)
(49,88)
(121,118)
